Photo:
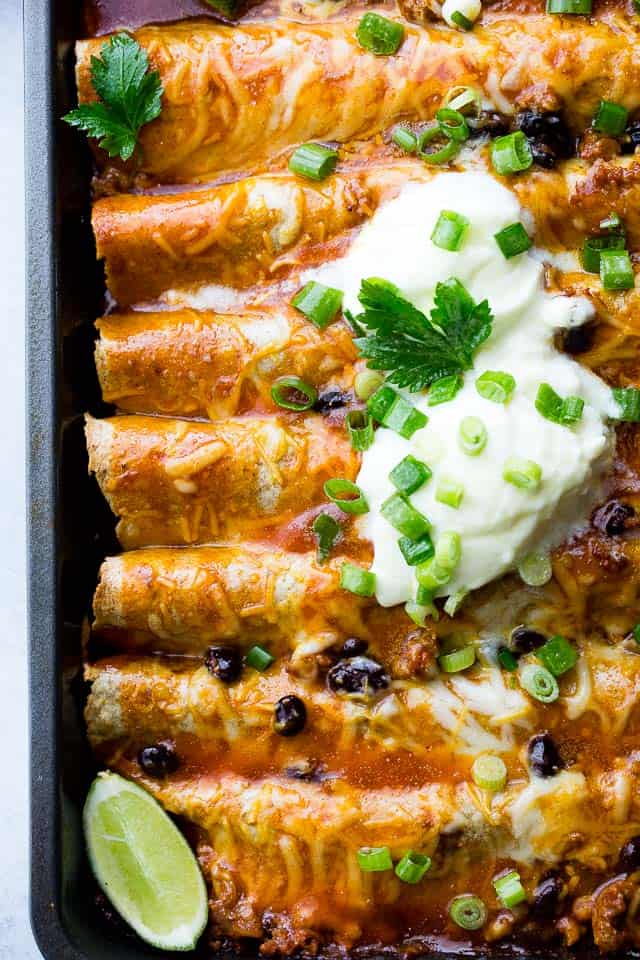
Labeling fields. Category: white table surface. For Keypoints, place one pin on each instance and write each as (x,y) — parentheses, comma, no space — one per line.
(16,941)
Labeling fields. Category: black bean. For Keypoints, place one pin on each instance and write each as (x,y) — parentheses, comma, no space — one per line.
(331,400)
(543,154)
(630,855)
(357,675)
(159,759)
(493,124)
(307,770)
(354,647)
(544,757)
(613,518)
(549,138)
(576,340)
(632,138)
(225,663)
(290,716)
(546,897)
(524,640)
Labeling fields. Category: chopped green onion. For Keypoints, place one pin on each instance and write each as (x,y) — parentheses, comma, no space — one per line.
(539,683)
(611,118)
(412,867)
(572,410)
(449,229)
(409,475)
(416,551)
(454,601)
(509,889)
(513,240)
(511,153)
(472,436)
(313,161)
(379,35)
(461,21)
(495,385)
(552,407)
(569,7)
(405,139)
(346,495)
(356,580)
(522,473)
(420,611)
(616,270)
(593,247)
(444,389)
(628,400)
(441,154)
(360,429)
(327,531)
(292,393)
(424,596)
(557,655)
(431,576)
(613,223)
(459,98)
(392,410)
(468,912)
(507,660)
(489,772)
(319,303)
(366,383)
(448,550)
(259,658)
(636,633)
(449,492)
(536,569)
(404,517)
(457,660)
(453,125)
(374,859)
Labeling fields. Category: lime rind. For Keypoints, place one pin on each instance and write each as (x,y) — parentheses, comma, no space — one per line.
(143,864)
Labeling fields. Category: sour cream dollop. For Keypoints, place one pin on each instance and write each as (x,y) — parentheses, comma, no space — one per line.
(498,523)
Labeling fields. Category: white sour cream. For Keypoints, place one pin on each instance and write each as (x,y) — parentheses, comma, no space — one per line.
(498,523)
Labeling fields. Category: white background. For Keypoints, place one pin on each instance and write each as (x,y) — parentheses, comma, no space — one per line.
(16,942)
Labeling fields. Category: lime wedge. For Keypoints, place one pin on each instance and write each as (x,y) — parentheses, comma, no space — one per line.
(144,864)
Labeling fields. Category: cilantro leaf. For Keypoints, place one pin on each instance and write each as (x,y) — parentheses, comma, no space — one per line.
(129,95)
(415,350)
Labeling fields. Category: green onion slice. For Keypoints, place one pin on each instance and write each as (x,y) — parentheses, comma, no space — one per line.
(448,550)
(399,512)
(610,118)
(313,161)
(409,475)
(593,247)
(259,658)
(507,660)
(450,229)
(511,153)
(460,98)
(405,138)
(616,270)
(552,407)
(454,601)
(379,35)
(444,389)
(635,633)
(569,7)
(431,576)
(457,660)
(613,223)
(292,393)
(356,580)
(509,889)
(440,154)
(327,531)
(366,383)
(495,385)
(536,569)
(489,772)
(468,912)
(557,655)
(513,240)
(628,400)
(319,303)
(472,436)
(419,612)
(360,429)
(449,492)
(412,867)
(416,551)
(374,859)
(453,124)
(522,473)
(461,21)
(346,495)
(390,408)
(541,684)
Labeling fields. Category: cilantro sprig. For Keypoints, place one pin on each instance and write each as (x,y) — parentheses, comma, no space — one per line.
(413,349)
(129,95)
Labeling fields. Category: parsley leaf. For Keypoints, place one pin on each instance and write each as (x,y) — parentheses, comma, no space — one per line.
(415,350)
(129,95)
